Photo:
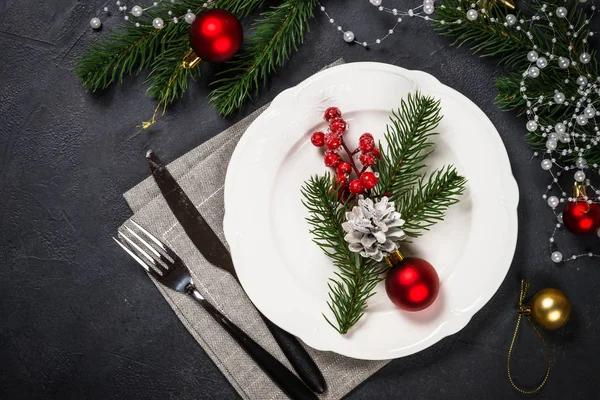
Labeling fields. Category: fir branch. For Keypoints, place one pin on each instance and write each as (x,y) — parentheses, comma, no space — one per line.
(510,45)
(278,32)
(408,145)
(427,203)
(356,277)
(129,49)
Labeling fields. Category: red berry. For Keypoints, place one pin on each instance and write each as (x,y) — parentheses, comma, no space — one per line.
(318,139)
(366,142)
(367,159)
(332,159)
(333,141)
(332,112)
(341,180)
(344,168)
(368,180)
(356,187)
(376,152)
(338,125)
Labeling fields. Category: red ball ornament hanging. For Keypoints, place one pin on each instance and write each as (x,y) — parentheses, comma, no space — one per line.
(412,284)
(580,217)
(216,35)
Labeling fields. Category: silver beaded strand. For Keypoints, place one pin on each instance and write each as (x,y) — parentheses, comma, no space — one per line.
(422,11)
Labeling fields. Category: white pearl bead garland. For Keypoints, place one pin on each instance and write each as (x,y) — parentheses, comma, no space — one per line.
(136,15)
(423,11)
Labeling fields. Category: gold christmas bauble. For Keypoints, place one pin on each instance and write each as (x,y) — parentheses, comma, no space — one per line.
(550,308)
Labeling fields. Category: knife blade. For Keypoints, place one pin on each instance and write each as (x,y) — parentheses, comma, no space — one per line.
(215,252)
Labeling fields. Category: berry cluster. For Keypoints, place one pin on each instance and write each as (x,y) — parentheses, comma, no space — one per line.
(333,140)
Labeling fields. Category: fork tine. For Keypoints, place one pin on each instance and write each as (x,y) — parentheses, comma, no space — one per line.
(150,236)
(139,249)
(136,258)
(158,255)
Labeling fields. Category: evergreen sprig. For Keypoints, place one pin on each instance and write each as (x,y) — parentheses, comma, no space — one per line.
(426,203)
(278,32)
(130,49)
(488,38)
(356,277)
(408,145)
(421,199)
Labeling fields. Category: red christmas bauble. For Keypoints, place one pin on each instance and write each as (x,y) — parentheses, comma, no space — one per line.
(581,218)
(216,35)
(412,284)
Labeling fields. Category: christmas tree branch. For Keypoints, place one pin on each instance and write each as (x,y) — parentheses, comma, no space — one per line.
(427,203)
(490,35)
(131,49)
(408,145)
(277,33)
(356,277)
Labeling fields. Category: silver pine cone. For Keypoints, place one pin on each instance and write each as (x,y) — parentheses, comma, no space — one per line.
(372,229)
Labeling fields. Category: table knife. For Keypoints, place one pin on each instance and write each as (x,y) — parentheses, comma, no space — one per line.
(215,252)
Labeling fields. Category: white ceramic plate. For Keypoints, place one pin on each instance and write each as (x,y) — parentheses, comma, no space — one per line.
(285,273)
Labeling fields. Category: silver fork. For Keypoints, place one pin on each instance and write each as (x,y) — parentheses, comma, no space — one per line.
(166,267)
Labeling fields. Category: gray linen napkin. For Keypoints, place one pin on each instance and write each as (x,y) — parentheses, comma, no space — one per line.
(201,173)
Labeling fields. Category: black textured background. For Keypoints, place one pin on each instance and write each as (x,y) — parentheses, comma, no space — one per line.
(79,321)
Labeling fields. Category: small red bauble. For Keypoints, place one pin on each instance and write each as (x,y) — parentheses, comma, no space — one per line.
(581,218)
(216,35)
(318,139)
(332,159)
(376,152)
(368,180)
(367,159)
(366,143)
(344,168)
(333,141)
(356,187)
(412,284)
(331,113)
(338,125)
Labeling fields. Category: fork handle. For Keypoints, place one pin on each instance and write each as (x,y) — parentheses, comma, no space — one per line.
(289,383)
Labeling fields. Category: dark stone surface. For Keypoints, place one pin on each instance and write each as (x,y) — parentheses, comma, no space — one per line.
(76,320)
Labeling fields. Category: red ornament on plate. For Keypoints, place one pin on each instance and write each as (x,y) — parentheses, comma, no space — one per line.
(412,284)
(216,35)
(581,218)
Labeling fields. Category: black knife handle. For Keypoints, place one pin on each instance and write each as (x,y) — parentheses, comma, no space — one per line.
(297,355)
(279,374)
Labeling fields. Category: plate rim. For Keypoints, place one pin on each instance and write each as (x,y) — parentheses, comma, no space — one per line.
(508,180)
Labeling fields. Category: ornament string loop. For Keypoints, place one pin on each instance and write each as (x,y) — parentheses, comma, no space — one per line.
(525,311)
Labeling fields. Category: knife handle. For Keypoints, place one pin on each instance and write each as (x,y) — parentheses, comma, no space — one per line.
(297,355)
(279,374)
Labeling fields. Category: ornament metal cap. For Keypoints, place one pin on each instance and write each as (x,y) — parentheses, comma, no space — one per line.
(190,60)
(393,258)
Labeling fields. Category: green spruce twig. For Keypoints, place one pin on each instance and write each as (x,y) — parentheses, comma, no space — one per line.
(278,32)
(408,145)
(509,46)
(356,277)
(426,204)
(129,50)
